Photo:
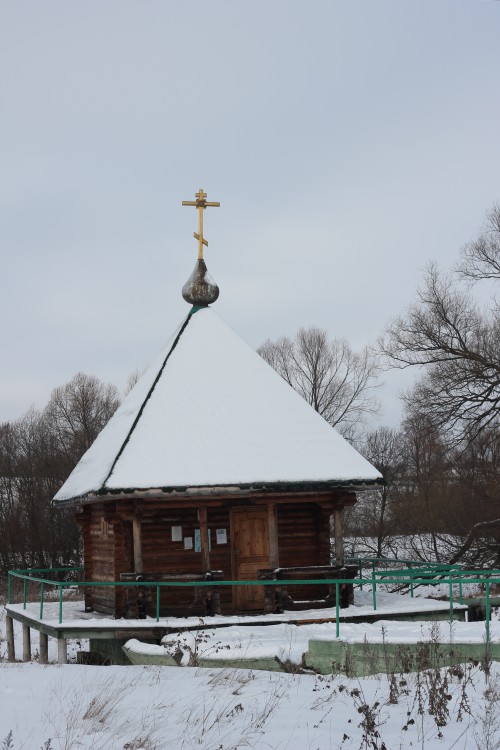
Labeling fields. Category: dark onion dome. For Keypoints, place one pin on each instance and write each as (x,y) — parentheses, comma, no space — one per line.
(200,289)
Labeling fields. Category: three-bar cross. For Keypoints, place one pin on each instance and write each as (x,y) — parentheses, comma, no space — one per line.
(201,204)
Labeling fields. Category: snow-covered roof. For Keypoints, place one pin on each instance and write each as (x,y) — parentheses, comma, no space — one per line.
(209,412)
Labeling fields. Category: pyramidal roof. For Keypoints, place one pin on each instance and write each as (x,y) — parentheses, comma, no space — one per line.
(210,412)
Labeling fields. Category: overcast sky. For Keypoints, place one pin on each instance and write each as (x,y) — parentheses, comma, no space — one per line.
(349,142)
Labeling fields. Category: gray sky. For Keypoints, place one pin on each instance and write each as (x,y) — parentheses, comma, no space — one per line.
(348,142)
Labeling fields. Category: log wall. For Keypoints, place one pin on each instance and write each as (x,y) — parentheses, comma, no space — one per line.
(102,541)
(304,539)
(303,529)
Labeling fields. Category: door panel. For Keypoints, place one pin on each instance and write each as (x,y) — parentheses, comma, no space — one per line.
(250,551)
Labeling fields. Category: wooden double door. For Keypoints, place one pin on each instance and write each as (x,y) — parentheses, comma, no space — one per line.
(249,552)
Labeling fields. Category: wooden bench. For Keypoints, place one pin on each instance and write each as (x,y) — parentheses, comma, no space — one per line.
(278,598)
(140,601)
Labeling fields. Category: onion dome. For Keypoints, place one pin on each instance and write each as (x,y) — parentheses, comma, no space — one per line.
(200,289)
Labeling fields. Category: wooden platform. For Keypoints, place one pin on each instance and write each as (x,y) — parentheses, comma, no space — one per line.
(106,636)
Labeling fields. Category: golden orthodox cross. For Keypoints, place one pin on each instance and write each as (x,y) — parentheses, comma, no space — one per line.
(201,204)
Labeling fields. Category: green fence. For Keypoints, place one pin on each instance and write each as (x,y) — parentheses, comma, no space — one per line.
(422,574)
(383,563)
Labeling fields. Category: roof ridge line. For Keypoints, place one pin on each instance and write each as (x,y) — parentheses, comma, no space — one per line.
(143,405)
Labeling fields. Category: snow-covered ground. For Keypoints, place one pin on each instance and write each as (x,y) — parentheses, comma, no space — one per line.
(127,708)
(289,643)
(74,707)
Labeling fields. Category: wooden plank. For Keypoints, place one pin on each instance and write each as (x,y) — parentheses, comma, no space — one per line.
(250,546)
(137,537)
(205,553)
(190,499)
(339,538)
(273,536)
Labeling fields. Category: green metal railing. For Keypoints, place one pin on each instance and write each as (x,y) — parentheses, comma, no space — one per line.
(430,574)
(32,575)
(435,575)
(425,574)
(381,564)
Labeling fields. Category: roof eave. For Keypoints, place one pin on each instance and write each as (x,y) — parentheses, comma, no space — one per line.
(222,490)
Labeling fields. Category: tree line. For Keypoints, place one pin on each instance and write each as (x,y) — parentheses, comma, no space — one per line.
(441,467)
(444,471)
(37,453)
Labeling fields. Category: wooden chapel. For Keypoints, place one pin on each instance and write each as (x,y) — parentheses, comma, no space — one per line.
(213,468)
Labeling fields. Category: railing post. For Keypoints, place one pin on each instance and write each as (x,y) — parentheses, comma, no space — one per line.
(460,592)
(41,601)
(157,602)
(26,642)
(374,590)
(337,612)
(60,602)
(25,583)
(360,566)
(8,588)
(451,596)
(487,611)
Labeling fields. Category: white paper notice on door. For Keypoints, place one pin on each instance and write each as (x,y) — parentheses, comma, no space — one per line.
(177,533)
(221,535)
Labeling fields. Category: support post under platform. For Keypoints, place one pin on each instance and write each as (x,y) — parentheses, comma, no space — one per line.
(9,627)
(44,648)
(62,651)
(26,643)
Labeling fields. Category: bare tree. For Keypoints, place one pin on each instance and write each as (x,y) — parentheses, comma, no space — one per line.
(458,343)
(337,382)
(76,413)
(382,447)
(374,519)
(481,258)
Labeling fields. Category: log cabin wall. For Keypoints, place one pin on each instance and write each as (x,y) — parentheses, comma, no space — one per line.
(303,529)
(123,559)
(300,528)
(102,551)
(162,555)
(304,539)
(220,554)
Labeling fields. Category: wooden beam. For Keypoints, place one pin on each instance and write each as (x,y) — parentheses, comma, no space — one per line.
(205,551)
(339,537)
(272,523)
(137,537)
(216,496)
